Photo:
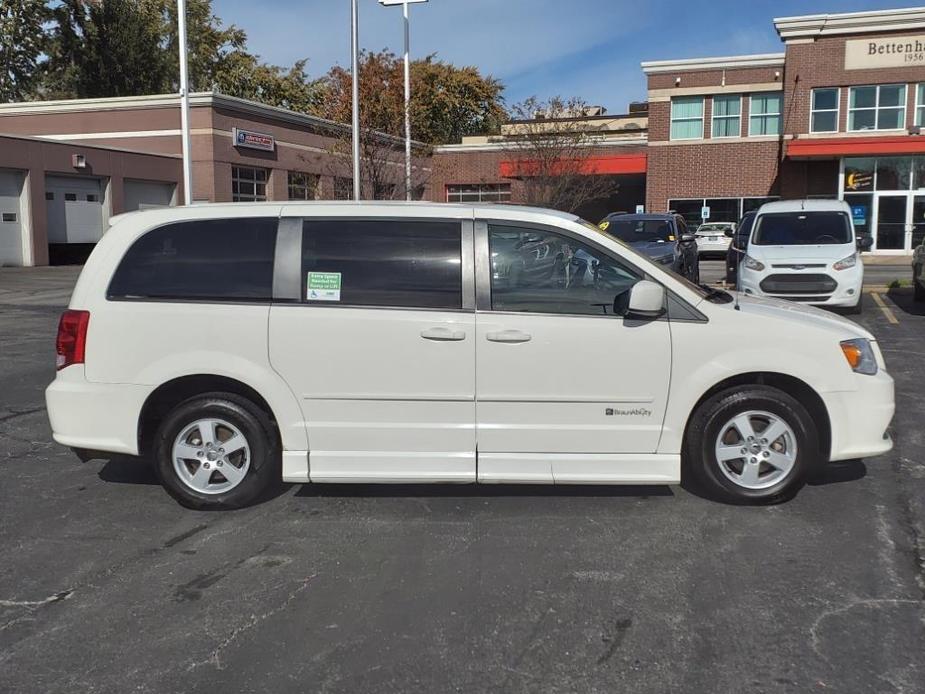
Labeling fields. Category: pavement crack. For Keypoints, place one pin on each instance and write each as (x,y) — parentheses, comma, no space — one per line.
(20,413)
(57,597)
(215,657)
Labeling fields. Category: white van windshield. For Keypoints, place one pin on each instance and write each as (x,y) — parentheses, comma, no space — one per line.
(802,229)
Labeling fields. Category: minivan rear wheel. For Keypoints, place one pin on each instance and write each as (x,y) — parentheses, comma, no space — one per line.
(751,445)
(217,450)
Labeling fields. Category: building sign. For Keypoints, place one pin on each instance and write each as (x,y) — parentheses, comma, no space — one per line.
(859,215)
(897,51)
(704,213)
(252,140)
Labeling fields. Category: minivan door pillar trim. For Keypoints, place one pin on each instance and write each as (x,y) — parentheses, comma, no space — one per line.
(287,260)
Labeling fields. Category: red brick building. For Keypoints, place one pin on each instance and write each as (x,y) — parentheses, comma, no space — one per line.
(837,114)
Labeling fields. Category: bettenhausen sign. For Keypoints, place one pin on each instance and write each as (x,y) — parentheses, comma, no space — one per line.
(896,51)
(252,140)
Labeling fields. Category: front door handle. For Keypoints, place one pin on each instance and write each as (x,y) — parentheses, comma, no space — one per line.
(510,336)
(443,334)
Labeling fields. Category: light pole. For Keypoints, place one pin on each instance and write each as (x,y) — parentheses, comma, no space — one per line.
(355,89)
(404,4)
(184,105)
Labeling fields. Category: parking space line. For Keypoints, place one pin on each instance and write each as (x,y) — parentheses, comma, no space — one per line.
(886,309)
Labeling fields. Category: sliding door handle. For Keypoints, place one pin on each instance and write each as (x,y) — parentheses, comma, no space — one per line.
(443,335)
(509,336)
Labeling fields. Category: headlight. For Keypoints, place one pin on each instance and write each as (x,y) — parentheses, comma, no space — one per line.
(860,356)
(845,263)
(753,264)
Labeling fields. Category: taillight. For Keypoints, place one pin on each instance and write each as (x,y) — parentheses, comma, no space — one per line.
(71,342)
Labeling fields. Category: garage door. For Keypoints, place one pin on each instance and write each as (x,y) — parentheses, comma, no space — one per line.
(10,218)
(75,209)
(142,194)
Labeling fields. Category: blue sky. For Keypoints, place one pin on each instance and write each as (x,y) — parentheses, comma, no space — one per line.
(585,48)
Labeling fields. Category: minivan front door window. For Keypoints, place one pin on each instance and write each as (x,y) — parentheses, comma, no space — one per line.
(543,272)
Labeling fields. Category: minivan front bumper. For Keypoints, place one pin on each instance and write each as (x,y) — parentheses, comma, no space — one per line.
(860,419)
(817,286)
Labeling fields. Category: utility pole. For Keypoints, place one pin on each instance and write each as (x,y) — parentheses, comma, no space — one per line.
(184,106)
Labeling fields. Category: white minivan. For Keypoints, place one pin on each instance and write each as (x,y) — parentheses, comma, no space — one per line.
(805,251)
(236,345)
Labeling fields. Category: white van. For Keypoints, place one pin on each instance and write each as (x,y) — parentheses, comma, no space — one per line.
(806,251)
(240,344)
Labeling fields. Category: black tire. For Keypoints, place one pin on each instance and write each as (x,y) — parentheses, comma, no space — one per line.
(264,473)
(918,291)
(704,428)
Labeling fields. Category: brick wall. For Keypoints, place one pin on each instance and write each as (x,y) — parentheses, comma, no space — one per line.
(822,64)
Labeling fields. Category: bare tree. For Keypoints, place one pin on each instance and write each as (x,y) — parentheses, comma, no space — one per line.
(552,146)
(382,164)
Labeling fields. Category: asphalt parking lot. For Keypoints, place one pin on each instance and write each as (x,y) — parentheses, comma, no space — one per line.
(106,585)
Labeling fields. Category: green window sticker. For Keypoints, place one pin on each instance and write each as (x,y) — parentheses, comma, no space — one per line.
(323,286)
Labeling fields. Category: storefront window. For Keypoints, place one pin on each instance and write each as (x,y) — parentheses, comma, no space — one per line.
(824,111)
(894,173)
(750,204)
(859,174)
(687,118)
(764,113)
(727,110)
(724,209)
(881,107)
(861,208)
(689,209)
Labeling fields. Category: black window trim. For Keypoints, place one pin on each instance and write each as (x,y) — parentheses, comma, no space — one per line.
(290,289)
(197,301)
(483,273)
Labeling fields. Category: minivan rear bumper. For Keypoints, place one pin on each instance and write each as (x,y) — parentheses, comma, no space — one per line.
(96,416)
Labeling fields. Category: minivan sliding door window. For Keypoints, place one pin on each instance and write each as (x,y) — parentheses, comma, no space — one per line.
(387,263)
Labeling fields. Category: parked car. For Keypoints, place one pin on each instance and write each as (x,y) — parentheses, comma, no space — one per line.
(806,251)
(236,345)
(738,245)
(713,238)
(918,272)
(662,237)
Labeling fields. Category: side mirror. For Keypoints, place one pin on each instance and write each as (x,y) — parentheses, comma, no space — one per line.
(865,243)
(647,300)
(730,233)
(688,238)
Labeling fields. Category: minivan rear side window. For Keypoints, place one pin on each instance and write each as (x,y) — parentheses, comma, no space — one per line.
(802,229)
(413,264)
(202,260)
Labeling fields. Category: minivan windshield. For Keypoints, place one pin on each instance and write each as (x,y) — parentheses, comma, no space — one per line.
(636,230)
(802,229)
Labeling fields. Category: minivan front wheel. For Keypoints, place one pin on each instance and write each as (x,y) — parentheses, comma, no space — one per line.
(217,450)
(753,444)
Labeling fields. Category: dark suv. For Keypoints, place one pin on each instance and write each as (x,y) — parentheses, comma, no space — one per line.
(665,238)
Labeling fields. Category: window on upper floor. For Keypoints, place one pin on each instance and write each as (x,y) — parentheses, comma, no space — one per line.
(824,114)
(727,115)
(687,118)
(880,107)
(764,113)
(920,104)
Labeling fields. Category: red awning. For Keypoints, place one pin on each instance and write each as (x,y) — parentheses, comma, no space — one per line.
(634,163)
(829,147)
